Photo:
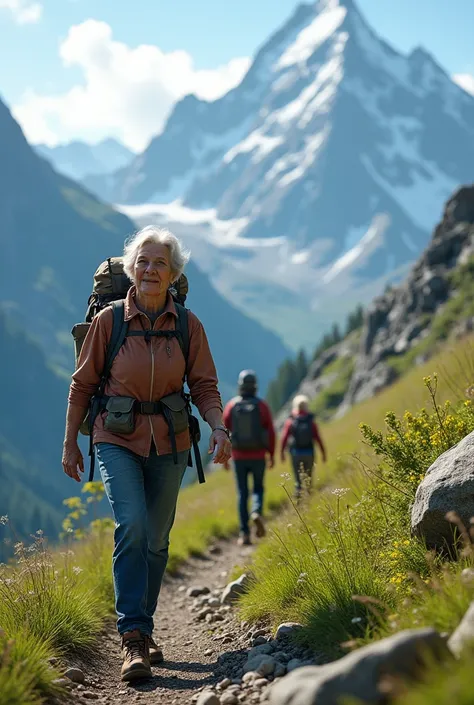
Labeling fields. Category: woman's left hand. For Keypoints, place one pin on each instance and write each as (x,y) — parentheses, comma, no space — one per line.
(220,443)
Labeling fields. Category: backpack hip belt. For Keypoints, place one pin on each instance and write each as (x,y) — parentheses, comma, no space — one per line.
(173,408)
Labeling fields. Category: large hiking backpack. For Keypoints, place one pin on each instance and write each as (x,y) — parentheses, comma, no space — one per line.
(301,432)
(110,288)
(247,430)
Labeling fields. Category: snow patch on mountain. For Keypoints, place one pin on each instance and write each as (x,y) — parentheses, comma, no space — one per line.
(362,249)
(312,36)
(208,151)
(422,197)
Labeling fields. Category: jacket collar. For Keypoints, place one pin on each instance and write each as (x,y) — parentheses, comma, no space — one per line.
(131,309)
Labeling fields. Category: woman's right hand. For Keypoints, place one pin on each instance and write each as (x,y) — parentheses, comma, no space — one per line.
(73,462)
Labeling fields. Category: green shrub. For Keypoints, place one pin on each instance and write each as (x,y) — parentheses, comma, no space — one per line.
(25,676)
(45,597)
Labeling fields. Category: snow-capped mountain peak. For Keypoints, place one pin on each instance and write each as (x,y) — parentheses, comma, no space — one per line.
(330,134)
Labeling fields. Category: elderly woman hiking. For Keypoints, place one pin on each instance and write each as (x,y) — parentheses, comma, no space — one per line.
(141,464)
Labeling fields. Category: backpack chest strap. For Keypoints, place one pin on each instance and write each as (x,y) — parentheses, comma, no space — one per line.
(149,334)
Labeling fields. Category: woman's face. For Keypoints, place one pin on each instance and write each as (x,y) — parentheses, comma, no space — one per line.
(152,271)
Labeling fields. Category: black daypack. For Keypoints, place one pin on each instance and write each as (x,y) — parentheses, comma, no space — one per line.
(301,432)
(247,430)
(111,285)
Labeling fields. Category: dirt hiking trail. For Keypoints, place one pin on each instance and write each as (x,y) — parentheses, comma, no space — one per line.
(198,653)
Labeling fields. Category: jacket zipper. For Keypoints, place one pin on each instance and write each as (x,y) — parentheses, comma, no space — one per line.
(152,353)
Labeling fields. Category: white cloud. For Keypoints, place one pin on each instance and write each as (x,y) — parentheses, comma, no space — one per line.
(465,80)
(126,92)
(23,11)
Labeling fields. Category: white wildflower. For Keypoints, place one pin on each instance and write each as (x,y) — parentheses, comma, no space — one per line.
(340,491)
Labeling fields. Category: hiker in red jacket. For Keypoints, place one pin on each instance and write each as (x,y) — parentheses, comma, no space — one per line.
(253,437)
(299,433)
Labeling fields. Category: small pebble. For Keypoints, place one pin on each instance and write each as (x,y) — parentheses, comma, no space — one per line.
(260,682)
(228,699)
(259,641)
(208,698)
(75,675)
(197,590)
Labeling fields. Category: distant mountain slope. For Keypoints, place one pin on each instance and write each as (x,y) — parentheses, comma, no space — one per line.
(31,433)
(335,149)
(79,159)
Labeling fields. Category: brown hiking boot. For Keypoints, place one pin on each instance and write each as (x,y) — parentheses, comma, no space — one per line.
(244,540)
(156,652)
(259,525)
(135,654)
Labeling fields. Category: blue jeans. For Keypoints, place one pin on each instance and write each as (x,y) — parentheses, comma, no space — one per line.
(142,493)
(244,468)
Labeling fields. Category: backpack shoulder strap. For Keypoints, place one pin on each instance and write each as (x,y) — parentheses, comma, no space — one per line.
(182,326)
(118,335)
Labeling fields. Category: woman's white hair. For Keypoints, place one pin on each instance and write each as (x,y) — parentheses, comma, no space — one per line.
(179,256)
(300,402)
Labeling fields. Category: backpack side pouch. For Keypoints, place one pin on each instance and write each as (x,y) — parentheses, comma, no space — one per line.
(121,413)
(79,333)
(176,411)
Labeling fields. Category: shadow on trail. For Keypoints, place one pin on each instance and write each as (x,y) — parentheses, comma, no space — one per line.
(189,666)
(212,673)
(166,682)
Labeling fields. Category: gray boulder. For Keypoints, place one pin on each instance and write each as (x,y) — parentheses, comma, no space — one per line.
(448,486)
(463,636)
(234,589)
(288,629)
(262,664)
(359,673)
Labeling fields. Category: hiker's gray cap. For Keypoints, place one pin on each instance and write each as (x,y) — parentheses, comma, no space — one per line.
(247,377)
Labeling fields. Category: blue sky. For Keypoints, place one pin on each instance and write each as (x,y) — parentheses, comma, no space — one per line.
(209,35)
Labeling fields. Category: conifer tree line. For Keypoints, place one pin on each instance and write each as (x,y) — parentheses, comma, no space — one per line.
(292,372)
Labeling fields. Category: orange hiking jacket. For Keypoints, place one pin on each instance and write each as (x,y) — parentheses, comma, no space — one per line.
(146,371)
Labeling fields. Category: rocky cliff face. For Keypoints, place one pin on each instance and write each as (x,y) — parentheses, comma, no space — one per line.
(400,319)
